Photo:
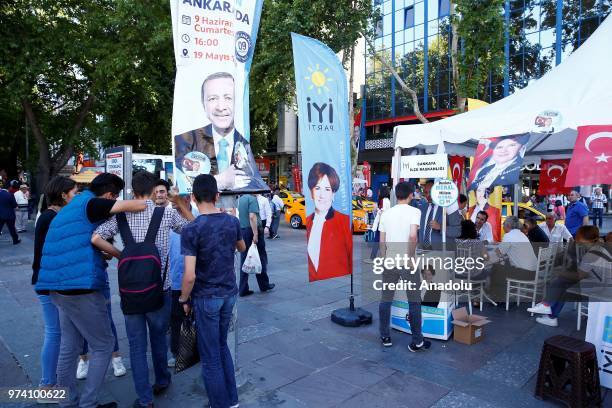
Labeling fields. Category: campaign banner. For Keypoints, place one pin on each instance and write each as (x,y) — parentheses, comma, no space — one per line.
(213,45)
(592,158)
(552,177)
(488,200)
(498,161)
(599,332)
(424,166)
(322,98)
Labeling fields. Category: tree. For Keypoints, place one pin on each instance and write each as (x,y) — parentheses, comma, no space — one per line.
(84,72)
(479,27)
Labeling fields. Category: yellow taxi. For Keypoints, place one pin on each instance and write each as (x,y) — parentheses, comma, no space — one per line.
(525,211)
(289,198)
(295,215)
(364,203)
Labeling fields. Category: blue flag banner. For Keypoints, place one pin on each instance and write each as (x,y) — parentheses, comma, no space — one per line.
(214,43)
(322,97)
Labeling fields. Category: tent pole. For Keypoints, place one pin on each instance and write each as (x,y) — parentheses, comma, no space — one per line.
(517,187)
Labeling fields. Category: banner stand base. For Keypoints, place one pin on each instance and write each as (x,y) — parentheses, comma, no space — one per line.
(351,316)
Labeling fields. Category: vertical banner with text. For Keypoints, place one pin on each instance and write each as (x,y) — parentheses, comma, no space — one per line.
(213,45)
(322,96)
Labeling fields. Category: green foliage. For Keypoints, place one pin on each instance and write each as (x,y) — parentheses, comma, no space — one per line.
(338,24)
(480,26)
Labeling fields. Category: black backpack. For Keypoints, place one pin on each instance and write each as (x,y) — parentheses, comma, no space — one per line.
(139,272)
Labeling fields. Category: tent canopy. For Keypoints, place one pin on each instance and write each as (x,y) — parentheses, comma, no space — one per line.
(579,90)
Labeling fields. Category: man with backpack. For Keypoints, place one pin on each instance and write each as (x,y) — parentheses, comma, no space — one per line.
(144,284)
(75,274)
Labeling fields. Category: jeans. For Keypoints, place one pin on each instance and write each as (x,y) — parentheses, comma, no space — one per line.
(555,295)
(106,293)
(21,219)
(375,245)
(83,317)
(213,319)
(11,227)
(414,304)
(136,327)
(262,278)
(51,345)
(598,215)
(275,223)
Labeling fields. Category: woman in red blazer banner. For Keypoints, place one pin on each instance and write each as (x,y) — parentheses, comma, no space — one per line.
(328,232)
(482,204)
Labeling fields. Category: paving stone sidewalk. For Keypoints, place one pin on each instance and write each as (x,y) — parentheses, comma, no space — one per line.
(290,354)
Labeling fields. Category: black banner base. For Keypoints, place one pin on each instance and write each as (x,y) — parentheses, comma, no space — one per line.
(351,318)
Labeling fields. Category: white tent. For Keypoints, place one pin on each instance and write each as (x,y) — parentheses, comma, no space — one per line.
(579,90)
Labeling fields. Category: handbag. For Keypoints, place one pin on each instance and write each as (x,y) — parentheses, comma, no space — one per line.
(188,354)
(252,263)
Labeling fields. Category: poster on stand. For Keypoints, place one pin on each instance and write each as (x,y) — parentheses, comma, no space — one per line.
(322,99)
(213,48)
(599,332)
(488,200)
(498,161)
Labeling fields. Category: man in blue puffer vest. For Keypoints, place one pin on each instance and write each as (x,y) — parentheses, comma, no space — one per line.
(74,271)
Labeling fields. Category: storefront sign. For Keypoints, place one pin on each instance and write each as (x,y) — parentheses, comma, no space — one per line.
(424,166)
(118,161)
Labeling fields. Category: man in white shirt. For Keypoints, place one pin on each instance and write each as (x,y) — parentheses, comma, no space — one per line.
(555,232)
(522,261)
(265,214)
(598,203)
(278,204)
(398,236)
(483,227)
(21,212)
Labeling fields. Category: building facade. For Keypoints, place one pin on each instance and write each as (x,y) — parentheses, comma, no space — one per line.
(415,37)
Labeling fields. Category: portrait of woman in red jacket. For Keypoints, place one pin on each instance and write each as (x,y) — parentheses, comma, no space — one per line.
(328,232)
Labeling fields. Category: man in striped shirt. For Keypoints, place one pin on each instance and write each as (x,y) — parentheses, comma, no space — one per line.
(598,203)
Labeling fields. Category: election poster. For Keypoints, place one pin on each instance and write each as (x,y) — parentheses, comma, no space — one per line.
(322,97)
(498,161)
(424,166)
(214,43)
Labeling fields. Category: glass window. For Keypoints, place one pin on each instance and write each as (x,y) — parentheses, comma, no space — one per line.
(399,23)
(409,17)
(444,8)
(379,27)
(419,13)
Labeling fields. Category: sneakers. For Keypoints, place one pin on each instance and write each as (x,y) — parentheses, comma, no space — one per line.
(82,369)
(548,321)
(118,367)
(540,308)
(171,362)
(424,345)
(386,341)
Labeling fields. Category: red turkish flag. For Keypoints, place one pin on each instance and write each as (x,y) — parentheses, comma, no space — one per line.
(456,164)
(592,159)
(552,177)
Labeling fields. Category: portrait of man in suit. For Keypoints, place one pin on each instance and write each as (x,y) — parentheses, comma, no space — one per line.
(217,148)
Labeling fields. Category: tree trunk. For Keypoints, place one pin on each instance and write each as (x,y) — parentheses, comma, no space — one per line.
(50,166)
(400,81)
(44,159)
(461,100)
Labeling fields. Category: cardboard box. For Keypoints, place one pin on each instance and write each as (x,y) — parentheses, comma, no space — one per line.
(469,329)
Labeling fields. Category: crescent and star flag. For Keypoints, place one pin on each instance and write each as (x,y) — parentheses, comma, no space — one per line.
(456,164)
(552,177)
(322,98)
(592,158)
(213,46)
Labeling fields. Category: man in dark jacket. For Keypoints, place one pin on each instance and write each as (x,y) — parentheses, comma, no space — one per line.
(7,213)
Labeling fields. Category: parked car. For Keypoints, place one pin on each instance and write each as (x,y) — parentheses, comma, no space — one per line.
(364,203)
(289,198)
(295,215)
